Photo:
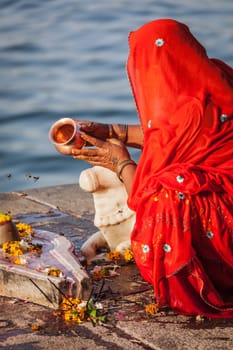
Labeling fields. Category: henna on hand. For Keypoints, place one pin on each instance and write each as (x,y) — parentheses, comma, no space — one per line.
(104,153)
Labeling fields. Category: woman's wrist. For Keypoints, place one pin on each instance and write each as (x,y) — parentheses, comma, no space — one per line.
(118,131)
(122,132)
(122,165)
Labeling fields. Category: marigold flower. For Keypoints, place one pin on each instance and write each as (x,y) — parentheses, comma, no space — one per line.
(5,218)
(73,309)
(128,255)
(20,260)
(151,308)
(53,271)
(114,255)
(24,229)
(13,248)
(35,327)
(16,248)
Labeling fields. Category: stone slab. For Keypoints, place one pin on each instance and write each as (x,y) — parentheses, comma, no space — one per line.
(30,282)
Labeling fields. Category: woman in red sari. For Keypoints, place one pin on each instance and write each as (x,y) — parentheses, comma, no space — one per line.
(182,187)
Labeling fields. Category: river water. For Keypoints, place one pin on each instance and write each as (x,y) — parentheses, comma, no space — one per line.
(67,58)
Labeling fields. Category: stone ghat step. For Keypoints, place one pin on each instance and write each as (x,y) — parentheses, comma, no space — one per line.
(29,282)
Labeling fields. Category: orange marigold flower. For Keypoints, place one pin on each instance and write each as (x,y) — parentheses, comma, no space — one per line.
(35,327)
(128,255)
(114,255)
(73,309)
(152,308)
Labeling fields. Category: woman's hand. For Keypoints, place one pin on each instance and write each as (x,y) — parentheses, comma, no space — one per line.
(130,135)
(108,154)
(98,130)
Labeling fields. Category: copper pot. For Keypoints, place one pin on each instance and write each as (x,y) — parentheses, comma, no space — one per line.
(65,135)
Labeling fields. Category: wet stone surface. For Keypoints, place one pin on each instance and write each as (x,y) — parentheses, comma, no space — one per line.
(77,230)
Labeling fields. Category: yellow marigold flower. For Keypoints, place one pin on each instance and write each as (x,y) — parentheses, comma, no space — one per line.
(53,271)
(73,309)
(24,229)
(79,321)
(65,306)
(128,255)
(76,310)
(5,218)
(16,248)
(20,260)
(67,316)
(152,308)
(81,312)
(13,248)
(68,302)
(114,255)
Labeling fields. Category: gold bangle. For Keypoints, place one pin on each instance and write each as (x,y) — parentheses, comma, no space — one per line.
(122,165)
(122,136)
(110,131)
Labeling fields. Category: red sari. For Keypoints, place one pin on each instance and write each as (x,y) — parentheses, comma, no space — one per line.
(183,188)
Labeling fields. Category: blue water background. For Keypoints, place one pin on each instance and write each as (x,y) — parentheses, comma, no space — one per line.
(67,58)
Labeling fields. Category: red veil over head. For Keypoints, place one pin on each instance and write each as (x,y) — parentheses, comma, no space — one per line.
(185,105)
